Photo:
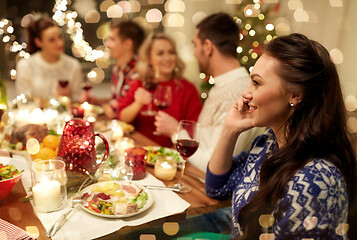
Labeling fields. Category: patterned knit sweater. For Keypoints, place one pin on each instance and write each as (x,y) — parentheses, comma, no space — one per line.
(315,205)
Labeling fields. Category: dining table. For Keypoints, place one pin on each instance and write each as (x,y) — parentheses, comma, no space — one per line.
(22,214)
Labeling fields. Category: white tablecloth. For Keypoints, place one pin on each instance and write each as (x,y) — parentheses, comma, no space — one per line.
(83,225)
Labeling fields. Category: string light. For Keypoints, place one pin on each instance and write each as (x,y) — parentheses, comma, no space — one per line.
(75,31)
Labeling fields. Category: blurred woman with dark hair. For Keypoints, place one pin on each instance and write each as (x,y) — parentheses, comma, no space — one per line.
(298,179)
(48,72)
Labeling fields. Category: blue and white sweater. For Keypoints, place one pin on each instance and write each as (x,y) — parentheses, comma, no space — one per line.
(315,205)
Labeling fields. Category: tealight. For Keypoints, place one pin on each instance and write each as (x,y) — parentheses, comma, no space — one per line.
(165,168)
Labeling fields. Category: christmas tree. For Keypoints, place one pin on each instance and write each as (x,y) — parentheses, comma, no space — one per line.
(256,23)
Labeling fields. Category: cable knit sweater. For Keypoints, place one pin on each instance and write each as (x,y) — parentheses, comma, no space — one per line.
(315,204)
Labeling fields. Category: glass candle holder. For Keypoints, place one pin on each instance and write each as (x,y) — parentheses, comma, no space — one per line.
(123,144)
(136,158)
(165,168)
(49,181)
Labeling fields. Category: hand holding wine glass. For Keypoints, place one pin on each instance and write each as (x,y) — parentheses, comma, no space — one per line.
(187,141)
(150,86)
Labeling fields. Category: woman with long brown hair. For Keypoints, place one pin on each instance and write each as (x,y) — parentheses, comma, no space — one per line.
(297,179)
(48,72)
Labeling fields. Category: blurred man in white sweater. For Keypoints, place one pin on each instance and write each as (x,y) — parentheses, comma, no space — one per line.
(215,41)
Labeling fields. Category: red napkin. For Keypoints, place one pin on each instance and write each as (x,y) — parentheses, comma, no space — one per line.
(13,232)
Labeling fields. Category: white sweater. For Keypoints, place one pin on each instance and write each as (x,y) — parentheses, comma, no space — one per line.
(228,89)
(38,78)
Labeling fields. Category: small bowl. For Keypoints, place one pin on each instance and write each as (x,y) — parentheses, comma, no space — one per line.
(7,185)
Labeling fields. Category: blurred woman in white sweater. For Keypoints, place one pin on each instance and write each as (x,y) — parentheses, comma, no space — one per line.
(41,74)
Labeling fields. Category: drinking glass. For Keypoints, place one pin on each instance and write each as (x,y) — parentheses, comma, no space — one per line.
(49,180)
(136,158)
(150,86)
(163,97)
(186,142)
(63,83)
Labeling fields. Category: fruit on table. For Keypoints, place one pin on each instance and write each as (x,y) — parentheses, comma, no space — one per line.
(45,153)
(48,148)
(51,141)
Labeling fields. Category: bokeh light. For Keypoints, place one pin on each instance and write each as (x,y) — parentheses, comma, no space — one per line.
(266,220)
(114,11)
(126,7)
(336,3)
(336,56)
(295,4)
(171,228)
(92,16)
(106,4)
(352,125)
(351,103)
(96,75)
(103,30)
(342,229)
(173,20)
(310,222)
(154,16)
(174,6)
(26,20)
(135,6)
(198,16)
(300,15)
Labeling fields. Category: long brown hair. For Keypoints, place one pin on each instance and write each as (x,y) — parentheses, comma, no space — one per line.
(35,29)
(316,129)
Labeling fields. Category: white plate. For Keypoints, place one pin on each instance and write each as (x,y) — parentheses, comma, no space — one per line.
(147,205)
(166,150)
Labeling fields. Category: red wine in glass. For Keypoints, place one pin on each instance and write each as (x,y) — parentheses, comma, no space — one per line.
(186,148)
(161,106)
(87,86)
(186,142)
(63,83)
(163,97)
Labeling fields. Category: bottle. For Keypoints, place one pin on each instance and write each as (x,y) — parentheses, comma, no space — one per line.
(3,97)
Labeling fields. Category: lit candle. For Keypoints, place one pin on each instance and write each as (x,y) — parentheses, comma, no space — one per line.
(124,144)
(165,170)
(47,196)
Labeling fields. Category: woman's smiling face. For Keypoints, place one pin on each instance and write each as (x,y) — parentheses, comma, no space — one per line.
(267,98)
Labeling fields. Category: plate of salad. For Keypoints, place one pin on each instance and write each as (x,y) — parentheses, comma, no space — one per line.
(155,152)
(116,199)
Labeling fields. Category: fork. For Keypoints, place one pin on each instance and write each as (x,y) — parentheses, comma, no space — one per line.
(75,201)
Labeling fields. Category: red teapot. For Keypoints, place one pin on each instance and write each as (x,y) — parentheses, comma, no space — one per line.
(77,147)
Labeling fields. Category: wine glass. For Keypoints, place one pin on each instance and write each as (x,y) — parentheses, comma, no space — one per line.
(162,98)
(150,86)
(63,83)
(87,86)
(186,142)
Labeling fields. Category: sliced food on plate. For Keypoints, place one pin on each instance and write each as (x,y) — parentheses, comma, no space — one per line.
(155,152)
(116,199)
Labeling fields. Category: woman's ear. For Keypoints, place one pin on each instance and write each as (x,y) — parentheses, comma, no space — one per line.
(294,100)
(38,42)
